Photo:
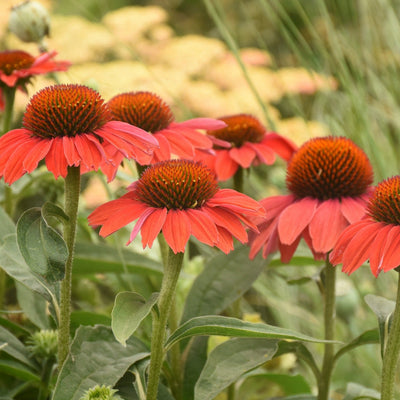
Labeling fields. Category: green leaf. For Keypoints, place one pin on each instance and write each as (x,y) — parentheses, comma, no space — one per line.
(81,317)
(226,326)
(224,279)
(33,305)
(96,358)
(14,264)
(130,309)
(367,337)
(383,309)
(7,226)
(91,258)
(355,391)
(12,346)
(52,210)
(195,361)
(18,370)
(229,361)
(42,247)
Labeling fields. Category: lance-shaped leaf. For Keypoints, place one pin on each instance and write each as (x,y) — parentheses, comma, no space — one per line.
(227,326)
(42,247)
(130,309)
(229,361)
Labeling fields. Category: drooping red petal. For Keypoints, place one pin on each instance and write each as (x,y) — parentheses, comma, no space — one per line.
(55,158)
(257,241)
(197,139)
(294,219)
(71,153)
(88,151)
(236,202)
(274,205)
(180,146)
(353,209)
(282,146)
(264,153)
(243,155)
(227,220)
(391,256)
(152,226)
(199,123)
(38,151)
(377,248)
(176,230)
(203,227)
(225,166)
(225,240)
(326,225)
(163,153)
(336,256)
(287,251)
(357,251)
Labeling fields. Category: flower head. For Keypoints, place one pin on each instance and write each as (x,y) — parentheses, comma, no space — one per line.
(250,144)
(149,112)
(179,198)
(70,125)
(18,67)
(329,183)
(377,236)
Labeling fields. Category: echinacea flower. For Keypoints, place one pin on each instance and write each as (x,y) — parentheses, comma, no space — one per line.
(70,125)
(377,236)
(17,67)
(251,144)
(329,182)
(149,112)
(179,198)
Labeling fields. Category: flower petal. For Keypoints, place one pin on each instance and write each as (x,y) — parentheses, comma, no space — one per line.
(225,240)
(55,158)
(225,166)
(274,205)
(294,219)
(163,153)
(353,209)
(180,146)
(38,151)
(264,153)
(377,249)
(152,226)
(326,225)
(71,153)
(199,123)
(281,145)
(88,151)
(391,254)
(176,230)
(203,227)
(243,155)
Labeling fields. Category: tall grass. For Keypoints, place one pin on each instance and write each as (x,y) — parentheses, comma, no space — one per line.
(356,42)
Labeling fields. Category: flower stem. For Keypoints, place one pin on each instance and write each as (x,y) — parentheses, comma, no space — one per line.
(238,180)
(9,97)
(165,300)
(391,354)
(329,325)
(72,189)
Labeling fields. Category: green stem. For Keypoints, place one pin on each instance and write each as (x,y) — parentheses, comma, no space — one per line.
(9,96)
(72,189)
(238,180)
(391,354)
(329,324)
(165,300)
(45,379)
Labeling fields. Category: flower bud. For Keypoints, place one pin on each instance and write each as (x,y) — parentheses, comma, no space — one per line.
(101,393)
(43,344)
(29,21)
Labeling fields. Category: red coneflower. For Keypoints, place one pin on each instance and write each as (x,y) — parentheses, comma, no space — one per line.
(377,236)
(251,144)
(17,67)
(70,125)
(149,112)
(329,182)
(179,198)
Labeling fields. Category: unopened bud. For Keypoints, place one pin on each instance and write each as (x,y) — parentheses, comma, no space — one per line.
(29,21)
(101,393)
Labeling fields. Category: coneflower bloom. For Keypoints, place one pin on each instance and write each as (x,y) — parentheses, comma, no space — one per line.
(179,198)
(377,236)
(70,125)
(251,144)
(149,112)
(17,67)
(329,182)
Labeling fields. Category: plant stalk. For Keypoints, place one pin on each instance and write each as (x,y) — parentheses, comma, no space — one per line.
(329,326)
(72,190)
(167,294)
(391,354)
(9,97)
